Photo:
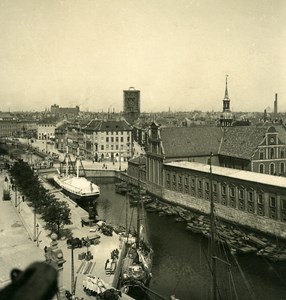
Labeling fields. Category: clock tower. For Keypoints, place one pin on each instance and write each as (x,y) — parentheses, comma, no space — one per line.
(131,103)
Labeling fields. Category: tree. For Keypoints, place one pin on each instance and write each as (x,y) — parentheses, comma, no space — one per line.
(56,215)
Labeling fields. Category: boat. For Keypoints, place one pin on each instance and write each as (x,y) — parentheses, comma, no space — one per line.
(76,187)
(137,260)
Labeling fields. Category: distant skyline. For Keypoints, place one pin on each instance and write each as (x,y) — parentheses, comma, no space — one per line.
(176,52)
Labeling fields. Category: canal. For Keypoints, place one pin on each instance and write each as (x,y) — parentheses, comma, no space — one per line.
(180,265)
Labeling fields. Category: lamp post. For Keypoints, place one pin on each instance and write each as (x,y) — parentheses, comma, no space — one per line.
(45,135)
(35,223)
(37,238)
(72,266)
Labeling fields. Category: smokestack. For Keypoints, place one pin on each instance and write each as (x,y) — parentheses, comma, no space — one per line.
(276,105)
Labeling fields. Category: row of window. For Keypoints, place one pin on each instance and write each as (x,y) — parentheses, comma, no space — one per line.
(112,147)
(116,139)
(272,169)
(234,196)
(112,139)
(271,153)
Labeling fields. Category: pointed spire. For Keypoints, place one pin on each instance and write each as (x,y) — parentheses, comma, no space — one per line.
(226,91)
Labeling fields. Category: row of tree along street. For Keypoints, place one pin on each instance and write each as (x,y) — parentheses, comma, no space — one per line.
(53,211)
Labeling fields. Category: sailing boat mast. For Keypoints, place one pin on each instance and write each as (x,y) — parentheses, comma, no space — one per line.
(138,201)
(212,228)
(77,162)
(66,158)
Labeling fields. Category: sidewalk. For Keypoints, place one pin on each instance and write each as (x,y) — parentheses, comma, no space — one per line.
(17,249)
(17,239)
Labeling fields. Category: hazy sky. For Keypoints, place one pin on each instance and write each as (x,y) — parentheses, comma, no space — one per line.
(177,52)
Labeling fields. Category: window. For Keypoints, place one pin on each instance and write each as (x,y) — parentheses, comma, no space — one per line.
(180,179)
(272,169)
(112,147)
(260,199)
(102,147)
(250,196)
(282,168)
(261,168)
(112,139)
(186,181)
(261,154)
(116,147)
(174,177)
(271,153)
(241,193)
(214,188)
(121,139)
(223,190)
(207,186)
(107,139)
(272,201)
(193,182)
(200,184)
(283,204)
(116,139)
(282,153)
(232,192)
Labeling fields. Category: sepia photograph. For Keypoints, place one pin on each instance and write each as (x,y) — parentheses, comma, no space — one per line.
(142,149)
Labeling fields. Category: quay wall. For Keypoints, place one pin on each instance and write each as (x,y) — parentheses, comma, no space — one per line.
(246,219)
(249,220)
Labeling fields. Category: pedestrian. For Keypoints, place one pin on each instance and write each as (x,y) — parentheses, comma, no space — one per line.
(82,223)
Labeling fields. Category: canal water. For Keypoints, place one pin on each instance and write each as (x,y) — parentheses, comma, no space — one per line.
(180,265)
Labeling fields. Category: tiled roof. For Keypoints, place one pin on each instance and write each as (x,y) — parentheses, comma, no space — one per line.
(241,141)
(108,125)
(281,133)
(191,141)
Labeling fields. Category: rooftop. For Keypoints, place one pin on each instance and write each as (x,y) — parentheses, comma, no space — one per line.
(232,173)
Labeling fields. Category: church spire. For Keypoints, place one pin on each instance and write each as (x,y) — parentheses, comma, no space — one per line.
(226,116)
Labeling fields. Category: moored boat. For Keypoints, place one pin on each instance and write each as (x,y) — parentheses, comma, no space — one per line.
(78,188)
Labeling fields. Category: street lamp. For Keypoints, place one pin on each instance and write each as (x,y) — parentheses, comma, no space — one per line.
(37,238)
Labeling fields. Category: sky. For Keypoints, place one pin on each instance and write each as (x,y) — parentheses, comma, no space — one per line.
(176,52)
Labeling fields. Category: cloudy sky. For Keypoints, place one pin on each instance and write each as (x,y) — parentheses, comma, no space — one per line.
(177,52)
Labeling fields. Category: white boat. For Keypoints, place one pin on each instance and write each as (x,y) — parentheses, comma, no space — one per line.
(73,185)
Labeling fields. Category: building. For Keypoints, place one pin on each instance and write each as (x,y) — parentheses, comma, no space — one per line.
(9,125)
(254,200)
(61,137)
(68,112)
(46,130)
(131,104)
(167,144)
(226,117)
(256,149)
(104,139)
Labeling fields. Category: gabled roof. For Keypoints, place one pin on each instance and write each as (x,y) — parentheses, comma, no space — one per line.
(241,141)
(191,141)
